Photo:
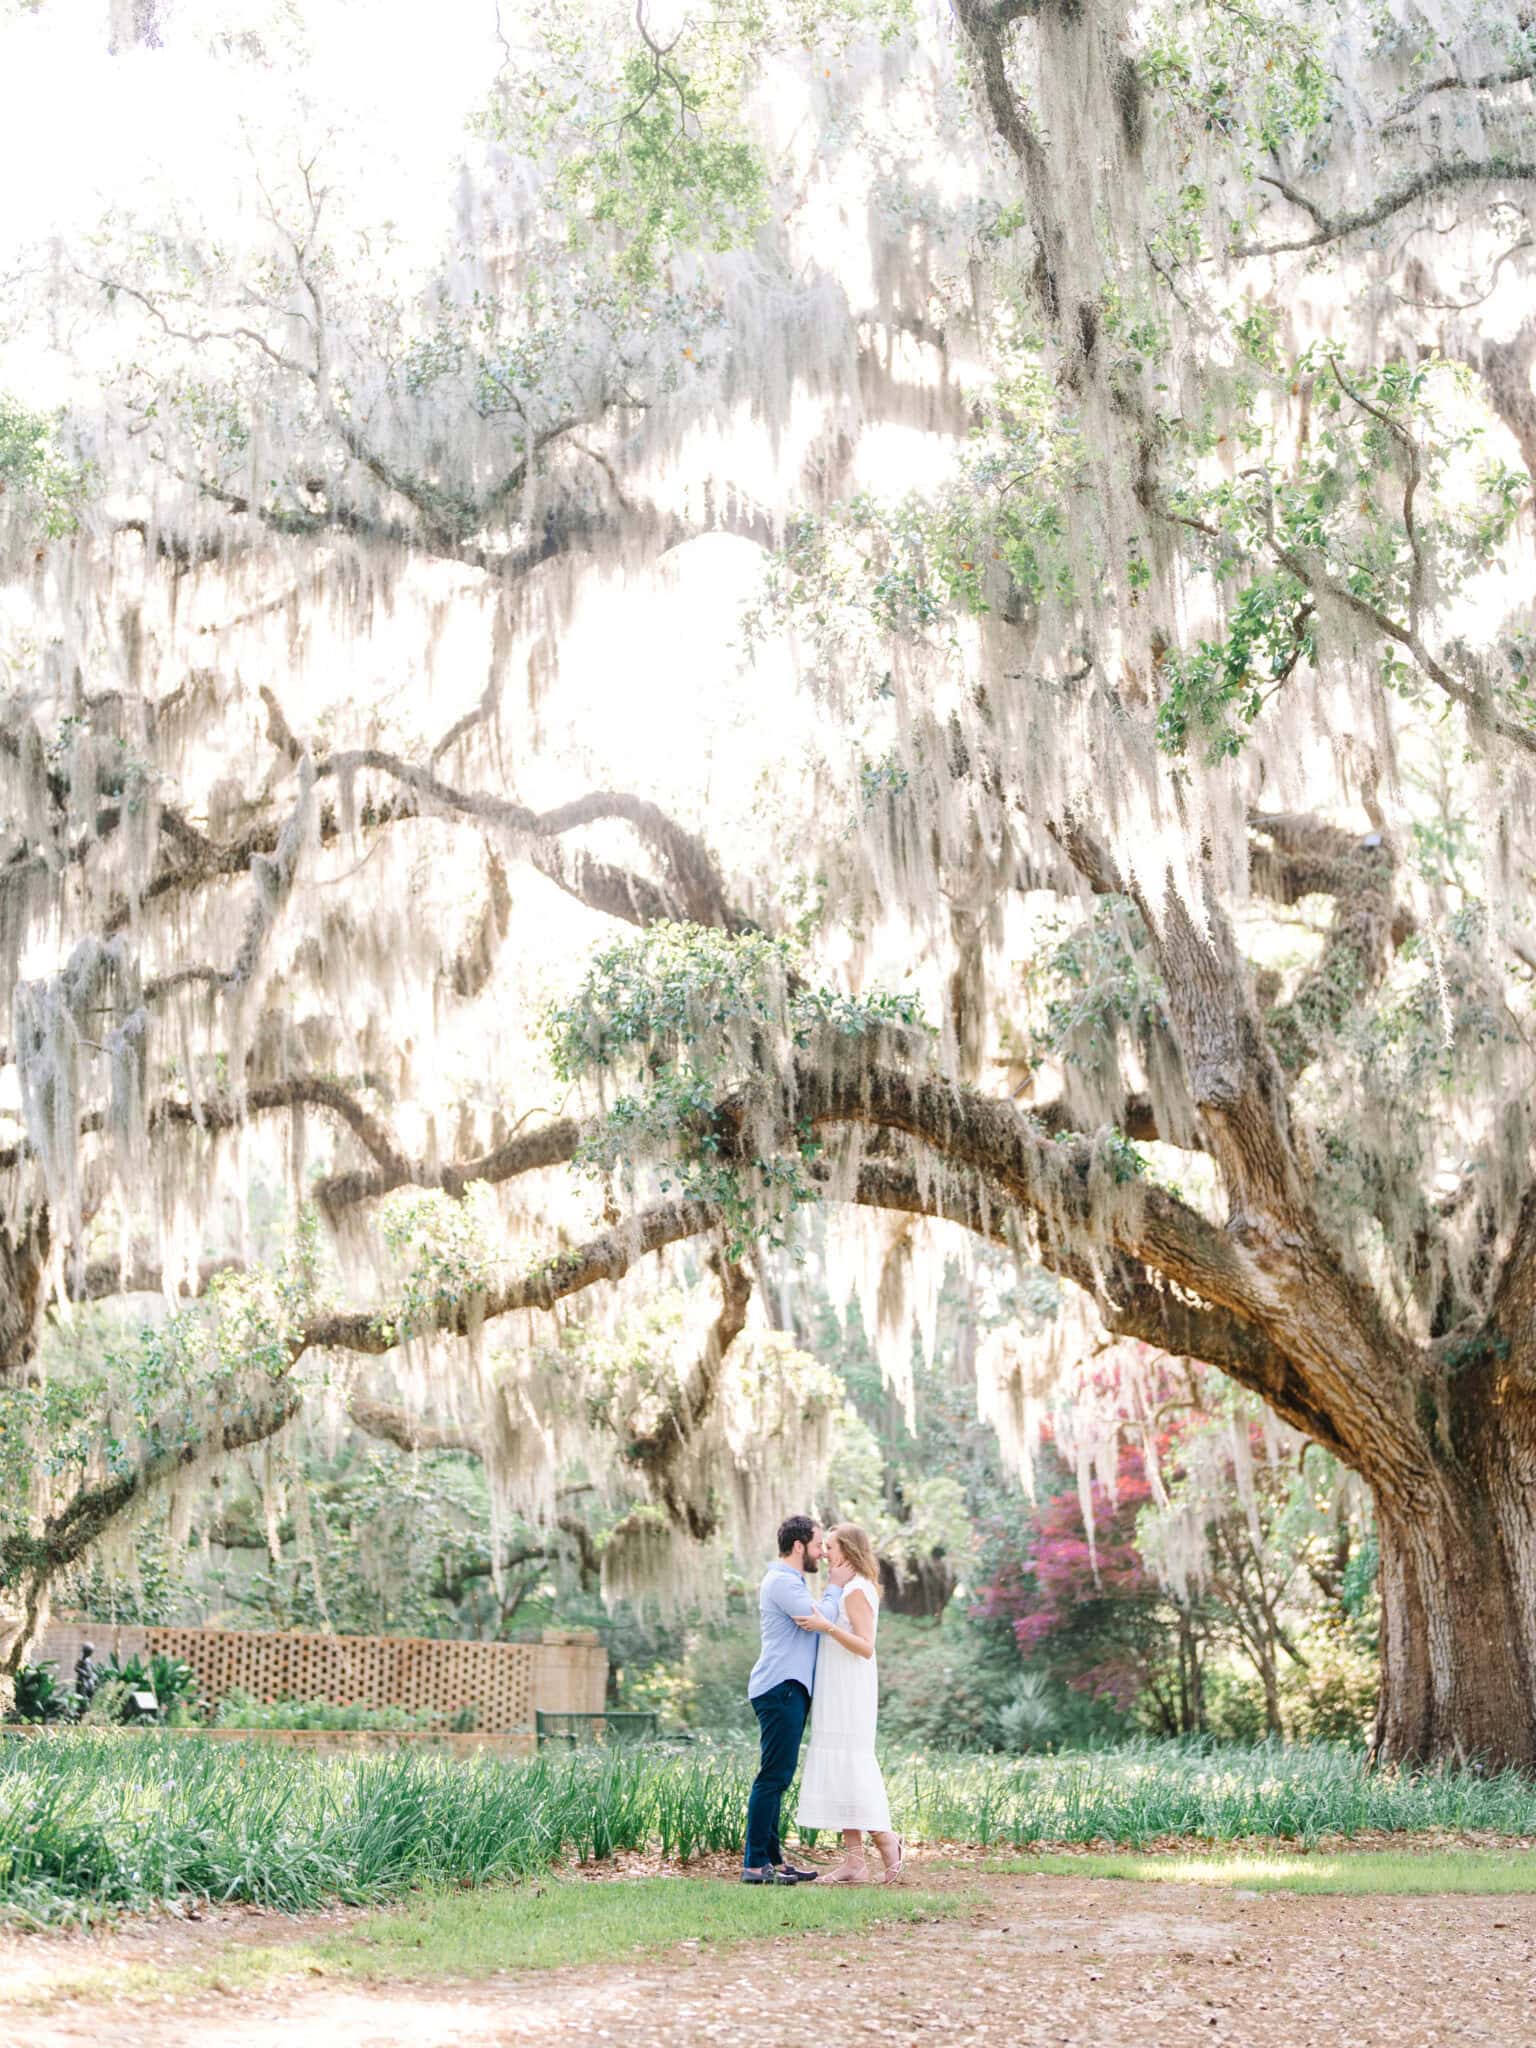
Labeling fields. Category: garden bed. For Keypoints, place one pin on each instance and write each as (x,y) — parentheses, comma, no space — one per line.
(317,1741)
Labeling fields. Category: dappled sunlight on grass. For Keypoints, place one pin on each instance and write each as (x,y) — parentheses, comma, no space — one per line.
(552,1924)
(1357,1872)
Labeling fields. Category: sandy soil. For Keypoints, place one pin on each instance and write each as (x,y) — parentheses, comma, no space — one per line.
(1046,1963)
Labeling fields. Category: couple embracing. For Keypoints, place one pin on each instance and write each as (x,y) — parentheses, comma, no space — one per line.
(818,1661)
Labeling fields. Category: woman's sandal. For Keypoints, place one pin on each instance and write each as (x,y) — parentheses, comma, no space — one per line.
(893,1872)
(842,1874)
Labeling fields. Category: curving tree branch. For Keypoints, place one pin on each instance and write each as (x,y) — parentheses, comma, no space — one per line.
(691,887)
(1442,177)
(1131,1300)
(1309,571)
(552,1144)
(1305,856)
(221,1114)
(32,1562)
(1277,1278)
(608,1256)
(1491,81)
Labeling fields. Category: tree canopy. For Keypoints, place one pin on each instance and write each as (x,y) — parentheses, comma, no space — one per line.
(646,631)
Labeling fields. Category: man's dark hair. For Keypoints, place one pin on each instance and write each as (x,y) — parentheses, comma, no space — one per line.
(798,1529)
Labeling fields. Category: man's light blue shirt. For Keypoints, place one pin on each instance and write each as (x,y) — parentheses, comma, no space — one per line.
(788,1652)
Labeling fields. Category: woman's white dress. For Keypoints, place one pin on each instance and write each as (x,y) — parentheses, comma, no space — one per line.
(841,1786)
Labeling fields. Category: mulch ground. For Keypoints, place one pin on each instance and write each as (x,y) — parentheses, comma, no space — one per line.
(1043,1963)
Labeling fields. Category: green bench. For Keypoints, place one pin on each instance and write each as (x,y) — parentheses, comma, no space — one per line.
(572,1729)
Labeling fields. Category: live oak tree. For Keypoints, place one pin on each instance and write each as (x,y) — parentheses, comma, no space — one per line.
(1129,408)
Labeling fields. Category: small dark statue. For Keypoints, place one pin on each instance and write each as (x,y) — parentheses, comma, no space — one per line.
(87,1675)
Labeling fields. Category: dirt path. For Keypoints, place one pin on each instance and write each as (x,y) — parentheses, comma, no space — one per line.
(1046,1963)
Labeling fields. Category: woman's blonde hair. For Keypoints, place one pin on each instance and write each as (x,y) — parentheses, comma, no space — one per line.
(856,1547)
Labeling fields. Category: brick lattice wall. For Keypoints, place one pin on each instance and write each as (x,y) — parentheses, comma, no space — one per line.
(504,1683)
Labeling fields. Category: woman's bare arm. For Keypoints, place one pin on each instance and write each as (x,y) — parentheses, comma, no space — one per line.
(860,1638)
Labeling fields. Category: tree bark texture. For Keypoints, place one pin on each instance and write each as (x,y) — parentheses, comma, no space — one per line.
(1458,1595)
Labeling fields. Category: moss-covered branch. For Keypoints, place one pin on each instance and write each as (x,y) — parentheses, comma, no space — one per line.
(1442,177)
(31,1562)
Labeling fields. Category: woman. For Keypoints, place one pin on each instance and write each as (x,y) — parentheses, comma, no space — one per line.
(841,1786)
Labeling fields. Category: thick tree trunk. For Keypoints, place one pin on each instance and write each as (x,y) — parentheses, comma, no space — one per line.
(1458,1609)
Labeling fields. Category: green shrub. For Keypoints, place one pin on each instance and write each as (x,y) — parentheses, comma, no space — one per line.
(1041,1713)
(944,1684)
(174,1684)
(702,1684)
(127,1680)
(938,1687)
(951,1685)
(239,1710)
(107,1704)
(1334,1698)
(39,1697)
(1234,1703)
(717,1667)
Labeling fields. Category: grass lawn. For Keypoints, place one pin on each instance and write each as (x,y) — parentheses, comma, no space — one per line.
(92,1826)
(535,1926)
(1358,1872)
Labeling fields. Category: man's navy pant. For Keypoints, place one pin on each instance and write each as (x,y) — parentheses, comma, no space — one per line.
(781,1713)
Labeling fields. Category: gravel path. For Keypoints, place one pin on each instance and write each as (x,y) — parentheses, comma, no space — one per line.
(1046,1963)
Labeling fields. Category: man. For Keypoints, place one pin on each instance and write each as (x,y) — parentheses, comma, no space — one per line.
(780,1688)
